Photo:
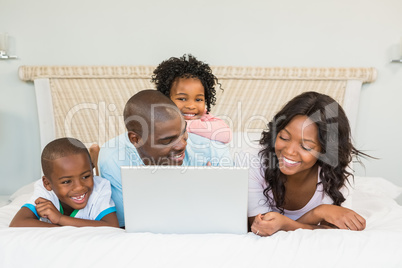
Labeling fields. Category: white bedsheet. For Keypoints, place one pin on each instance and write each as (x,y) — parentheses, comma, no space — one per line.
(380,245)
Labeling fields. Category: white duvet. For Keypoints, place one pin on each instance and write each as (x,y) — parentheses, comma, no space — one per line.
(380,245)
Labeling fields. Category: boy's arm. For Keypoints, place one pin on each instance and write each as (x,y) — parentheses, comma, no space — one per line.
(108,220)
(26,218)
(45,208)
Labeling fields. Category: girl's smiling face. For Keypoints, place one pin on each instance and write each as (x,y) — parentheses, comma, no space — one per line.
(297,146)
(189,95)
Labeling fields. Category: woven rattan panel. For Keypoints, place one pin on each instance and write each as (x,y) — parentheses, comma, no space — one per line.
(248,105)
(88,100)
(92,109)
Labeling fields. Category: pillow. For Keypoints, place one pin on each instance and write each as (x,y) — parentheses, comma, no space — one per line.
(4,200)
(24,190)
(377,186)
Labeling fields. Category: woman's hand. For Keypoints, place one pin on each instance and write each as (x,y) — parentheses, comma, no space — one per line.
(268,224)
(342,218)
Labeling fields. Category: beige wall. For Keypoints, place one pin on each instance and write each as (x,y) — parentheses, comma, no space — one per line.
(263,33)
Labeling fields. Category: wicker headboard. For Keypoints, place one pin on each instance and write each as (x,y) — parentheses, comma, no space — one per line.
(86,102)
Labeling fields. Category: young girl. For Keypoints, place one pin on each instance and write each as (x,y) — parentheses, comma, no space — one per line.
(191,85)
(301,176)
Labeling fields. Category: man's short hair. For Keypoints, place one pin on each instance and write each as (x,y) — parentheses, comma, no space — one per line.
(148,107)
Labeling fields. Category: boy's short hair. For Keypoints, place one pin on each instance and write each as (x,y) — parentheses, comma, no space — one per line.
(60,148)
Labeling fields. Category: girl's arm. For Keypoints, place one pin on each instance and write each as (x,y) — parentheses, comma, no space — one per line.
(210,127)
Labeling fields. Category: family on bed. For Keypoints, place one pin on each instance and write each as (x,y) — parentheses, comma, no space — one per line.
(299,178)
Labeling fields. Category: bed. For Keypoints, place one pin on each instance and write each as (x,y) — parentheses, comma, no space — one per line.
(86,102)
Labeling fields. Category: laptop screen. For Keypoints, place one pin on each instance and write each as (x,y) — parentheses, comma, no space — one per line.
(178,199)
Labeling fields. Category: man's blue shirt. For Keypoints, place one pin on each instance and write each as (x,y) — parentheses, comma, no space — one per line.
(119,151)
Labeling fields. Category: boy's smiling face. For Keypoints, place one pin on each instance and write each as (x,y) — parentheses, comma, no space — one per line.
(71,179)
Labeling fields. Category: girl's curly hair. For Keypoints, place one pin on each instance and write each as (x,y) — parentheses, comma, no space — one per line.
(186,67)
(334,137)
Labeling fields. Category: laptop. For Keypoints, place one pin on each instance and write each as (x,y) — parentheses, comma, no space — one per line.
(185,200)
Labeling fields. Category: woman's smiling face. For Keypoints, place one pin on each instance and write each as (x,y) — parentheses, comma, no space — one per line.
(297,146)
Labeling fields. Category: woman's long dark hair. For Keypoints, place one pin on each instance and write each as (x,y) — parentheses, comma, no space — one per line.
(334,137)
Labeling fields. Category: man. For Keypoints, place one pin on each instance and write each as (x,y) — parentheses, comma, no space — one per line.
(156,135)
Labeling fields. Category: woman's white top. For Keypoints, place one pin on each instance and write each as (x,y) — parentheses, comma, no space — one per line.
(258,203)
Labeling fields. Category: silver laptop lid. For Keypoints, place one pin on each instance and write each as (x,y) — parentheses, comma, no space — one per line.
(177,199)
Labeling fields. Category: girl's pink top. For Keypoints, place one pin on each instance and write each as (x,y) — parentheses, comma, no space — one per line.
(210,127)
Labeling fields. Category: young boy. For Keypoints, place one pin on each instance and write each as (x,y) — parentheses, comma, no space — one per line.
(68,194)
